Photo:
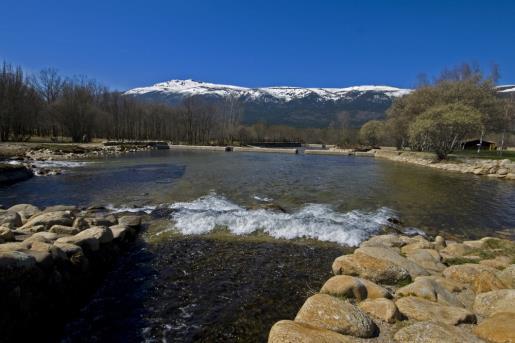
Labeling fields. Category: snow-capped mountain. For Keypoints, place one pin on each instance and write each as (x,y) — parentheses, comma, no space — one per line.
(296,106)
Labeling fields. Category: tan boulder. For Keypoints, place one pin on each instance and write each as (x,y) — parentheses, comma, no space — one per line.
(416,245)
(64,230)
(288,331)
(499,328)
(49,219)
(371,268)
(430,290)
(455,250)
(507,276)
(327,312)
(439,243)
(380,308)
(428,259)
(25,211)
(487,281)
(499,262)
(451,286)
(422,310)
(10,220)
(394,257)
(466,273)
(90,238)
(345,286)
(490,303)
(68,248)
(388,241)
(481,243)
(6,234)
(375,291)
(119,232)
(434,332)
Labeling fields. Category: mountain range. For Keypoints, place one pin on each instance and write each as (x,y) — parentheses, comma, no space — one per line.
(294,106)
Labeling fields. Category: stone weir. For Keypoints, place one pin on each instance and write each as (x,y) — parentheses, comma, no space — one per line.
(403,289)
(51,260)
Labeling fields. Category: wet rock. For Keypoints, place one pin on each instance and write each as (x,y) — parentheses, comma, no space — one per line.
(422,310)
(25,210)
(6,234)
(49,219)
(465,273)
(10,220)
(394,257)
(487,281)
(490,303)
(380,308)
(64,230)
(430,290)
(499,328)
(387,241)
(327,312)
(132,222)
(434,332)
(367,267)
(507,276)
(345,286)
(14,173)
(287,331)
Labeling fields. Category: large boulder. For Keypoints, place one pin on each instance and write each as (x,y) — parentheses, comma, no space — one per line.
(490,303)
(345,286)
(25,210)
(64,230)
(132,222)
(428,259)
(287,331)
(394,257)
(422,310)
(49,219)
(6,234)
(380,308)
(430,290)
(466,273)
(327,312)
(434,332)
(89,239)
(10,220)
(119,232)
(371,268)
(507,276)
(487,281)
(386,241)
(14,264)
(499,328)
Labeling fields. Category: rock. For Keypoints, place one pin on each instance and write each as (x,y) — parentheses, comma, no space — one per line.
(80,223)
(507,276)
(380,308)
(90,239)
(10,220)
(499,328)
(490,303)
(502,171)
(132,222)
(416,245)
(49,219)
(109,220)
(56,252)
(64,230)
(287,331)
(47,237)
(13,264)
(430,290)
(422,310)
(25,210)
(119,231)
(392,256)
(428,259)
(499,262)
(43,258)
(439,243)
(465,273)
(367,267)
(14,173)
(345,286)
(455,250)
(60,208)
(387,241)
(375,291)
(487,281)
(13,246)
(327,312)
(68,248)
(434,332)
(449,285)
(33,229)
(6,234)
(480,243)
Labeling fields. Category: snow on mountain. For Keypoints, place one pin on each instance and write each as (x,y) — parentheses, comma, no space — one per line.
(186,88)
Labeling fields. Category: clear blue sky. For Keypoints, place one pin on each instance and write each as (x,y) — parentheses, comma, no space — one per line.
(126,44)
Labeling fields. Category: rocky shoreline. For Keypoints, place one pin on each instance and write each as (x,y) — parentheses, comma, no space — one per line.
(500,169)
(51,259)
(396,288)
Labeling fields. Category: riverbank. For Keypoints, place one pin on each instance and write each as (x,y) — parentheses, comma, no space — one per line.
(51,260)
(396,288)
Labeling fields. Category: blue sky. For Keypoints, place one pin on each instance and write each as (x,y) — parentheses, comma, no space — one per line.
(125,44)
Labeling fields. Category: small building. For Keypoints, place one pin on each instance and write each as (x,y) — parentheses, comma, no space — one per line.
(475,143)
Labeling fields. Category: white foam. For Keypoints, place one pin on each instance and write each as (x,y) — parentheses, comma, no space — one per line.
(146,209)
(317,221)
(58,164)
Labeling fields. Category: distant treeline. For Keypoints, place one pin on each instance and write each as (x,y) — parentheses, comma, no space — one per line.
(47,104)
